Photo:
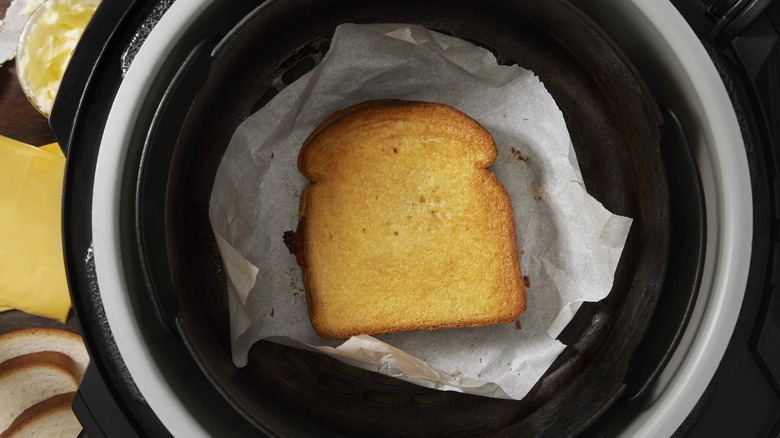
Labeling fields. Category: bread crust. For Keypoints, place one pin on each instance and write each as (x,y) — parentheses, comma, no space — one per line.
(35,339)
(50,359)
(435,248)
(30,378)
(59,404)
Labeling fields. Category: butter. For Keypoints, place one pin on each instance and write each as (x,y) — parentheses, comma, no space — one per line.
(30,6)
(32,270)
(45,47)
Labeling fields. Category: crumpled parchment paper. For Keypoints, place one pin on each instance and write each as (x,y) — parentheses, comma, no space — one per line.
(569,244)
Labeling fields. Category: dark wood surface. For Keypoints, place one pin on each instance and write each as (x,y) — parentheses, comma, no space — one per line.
(19,120)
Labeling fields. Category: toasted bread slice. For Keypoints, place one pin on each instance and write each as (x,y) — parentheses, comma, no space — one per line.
(31,378)
(51,418)
(402,226)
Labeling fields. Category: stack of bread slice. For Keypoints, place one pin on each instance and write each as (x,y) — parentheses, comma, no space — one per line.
(40,371)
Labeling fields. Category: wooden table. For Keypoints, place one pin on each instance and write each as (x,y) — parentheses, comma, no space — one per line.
(21,121)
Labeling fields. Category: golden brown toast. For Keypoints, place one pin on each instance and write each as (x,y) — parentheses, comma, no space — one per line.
(402,226)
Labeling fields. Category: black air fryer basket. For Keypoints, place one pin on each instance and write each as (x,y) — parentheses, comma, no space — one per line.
(239,57)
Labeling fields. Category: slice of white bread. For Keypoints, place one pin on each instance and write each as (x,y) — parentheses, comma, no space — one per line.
(32,340)
(51,418)
(402,226)
(31,378)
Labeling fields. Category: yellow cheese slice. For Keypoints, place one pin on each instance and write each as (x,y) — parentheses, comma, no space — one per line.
(32,271)
(54,148)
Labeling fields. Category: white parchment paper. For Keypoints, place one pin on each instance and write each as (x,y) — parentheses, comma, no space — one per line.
(569,244)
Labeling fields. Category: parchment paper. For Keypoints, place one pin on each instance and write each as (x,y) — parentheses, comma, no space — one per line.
(569,244)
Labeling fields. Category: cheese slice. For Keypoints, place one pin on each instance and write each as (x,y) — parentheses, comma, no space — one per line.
(54,148)
(32,270)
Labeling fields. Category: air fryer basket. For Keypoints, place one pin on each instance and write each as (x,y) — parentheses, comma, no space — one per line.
(614,124)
